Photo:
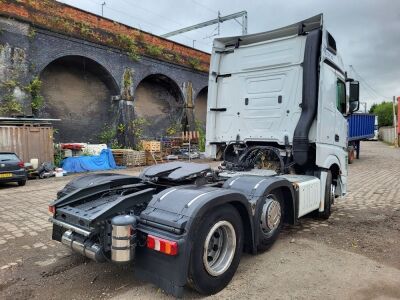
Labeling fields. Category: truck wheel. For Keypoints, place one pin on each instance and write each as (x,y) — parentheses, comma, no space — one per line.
(271,220)
(22,182)
(351,155)
(329,197)
(216,251)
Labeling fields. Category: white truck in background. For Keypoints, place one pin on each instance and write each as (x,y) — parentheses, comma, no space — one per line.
(276,110)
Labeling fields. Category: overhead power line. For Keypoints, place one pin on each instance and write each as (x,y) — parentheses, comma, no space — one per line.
(132,17)
(242,14)
(205,7)
(368,85)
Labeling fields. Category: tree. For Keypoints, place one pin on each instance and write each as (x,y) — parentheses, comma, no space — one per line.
(384,111)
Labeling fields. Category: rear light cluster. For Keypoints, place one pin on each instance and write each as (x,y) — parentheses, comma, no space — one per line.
(21,164)
(162,245)
(52,210)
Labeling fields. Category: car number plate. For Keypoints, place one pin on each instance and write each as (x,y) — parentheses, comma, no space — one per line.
(5,175)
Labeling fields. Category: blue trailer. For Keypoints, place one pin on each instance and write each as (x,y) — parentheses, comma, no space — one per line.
(361,126)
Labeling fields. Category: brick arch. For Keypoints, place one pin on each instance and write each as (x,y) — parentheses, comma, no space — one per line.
(197,91)
(78,90)
(167,79)
(103,67)
(160,100)
(200,105)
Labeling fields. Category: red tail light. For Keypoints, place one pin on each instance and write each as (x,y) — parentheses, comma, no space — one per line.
(52,210)
(162,245)
(21,164)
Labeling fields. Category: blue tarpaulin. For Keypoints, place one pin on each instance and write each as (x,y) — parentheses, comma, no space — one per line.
(104,161)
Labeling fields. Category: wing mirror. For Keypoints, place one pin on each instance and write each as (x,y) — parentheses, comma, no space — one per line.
(354,96)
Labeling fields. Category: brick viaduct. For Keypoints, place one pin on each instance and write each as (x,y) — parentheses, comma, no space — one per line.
(96,74)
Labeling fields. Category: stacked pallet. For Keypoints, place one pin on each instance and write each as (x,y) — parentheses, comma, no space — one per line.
(129,157)
(153,152)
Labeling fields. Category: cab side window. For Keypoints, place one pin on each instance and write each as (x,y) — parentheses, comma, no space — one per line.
(341,96)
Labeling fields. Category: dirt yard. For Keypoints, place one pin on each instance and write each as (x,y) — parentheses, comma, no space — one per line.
(353,255)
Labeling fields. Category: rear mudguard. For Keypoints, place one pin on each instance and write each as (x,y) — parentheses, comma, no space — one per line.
(256,189)
(176,214)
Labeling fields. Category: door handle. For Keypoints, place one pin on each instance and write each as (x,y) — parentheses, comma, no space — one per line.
(336,138)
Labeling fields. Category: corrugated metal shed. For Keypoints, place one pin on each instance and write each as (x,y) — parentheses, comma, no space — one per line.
(27,139)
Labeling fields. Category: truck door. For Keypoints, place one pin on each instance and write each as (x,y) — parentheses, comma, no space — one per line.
(341,123)
(327,106)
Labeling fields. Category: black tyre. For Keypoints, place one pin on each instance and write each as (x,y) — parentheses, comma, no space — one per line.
(270,220)
(216,250)
(22,182)
(329,197)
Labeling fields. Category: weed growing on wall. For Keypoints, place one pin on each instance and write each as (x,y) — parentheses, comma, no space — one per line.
(128,43)
(9,104)
(127,84)
(33,89)
(154,50)
(194,62)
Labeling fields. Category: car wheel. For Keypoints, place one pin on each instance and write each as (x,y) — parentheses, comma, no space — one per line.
(22,182)
(329,197)
(217,250)
(270,220)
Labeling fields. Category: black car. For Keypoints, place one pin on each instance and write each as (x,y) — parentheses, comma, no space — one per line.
(12,168)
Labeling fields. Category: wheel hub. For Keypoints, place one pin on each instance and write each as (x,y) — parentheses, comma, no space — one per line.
(219,248)
(271,215)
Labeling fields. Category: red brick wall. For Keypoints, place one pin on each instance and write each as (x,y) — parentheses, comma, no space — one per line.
(68,20)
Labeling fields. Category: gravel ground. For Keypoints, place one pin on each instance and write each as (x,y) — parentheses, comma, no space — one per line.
(353,255)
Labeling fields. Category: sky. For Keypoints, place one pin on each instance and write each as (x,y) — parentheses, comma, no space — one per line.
(367,32)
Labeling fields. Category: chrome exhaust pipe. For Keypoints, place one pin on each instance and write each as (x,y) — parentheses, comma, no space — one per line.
(90,250)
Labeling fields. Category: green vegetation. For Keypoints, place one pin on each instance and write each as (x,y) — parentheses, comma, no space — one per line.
(31,33)
(109,136)
(173,129)
(178,58)
(121,128)
(137,128)
(10,84)
(194,62)
(34,90)
(154,50)
(384,111)
(84,29)
(9,104)
(202,135)
(129,44)
(127,84)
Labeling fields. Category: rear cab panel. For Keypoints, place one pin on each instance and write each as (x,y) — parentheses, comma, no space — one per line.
(255,89)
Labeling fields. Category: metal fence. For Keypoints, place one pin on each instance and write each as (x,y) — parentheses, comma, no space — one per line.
(28,142)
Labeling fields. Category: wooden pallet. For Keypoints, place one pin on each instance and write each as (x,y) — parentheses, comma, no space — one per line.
(129,157)
(154,158)
(152,146)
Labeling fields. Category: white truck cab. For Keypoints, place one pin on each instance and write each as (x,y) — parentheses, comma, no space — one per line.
(284,88)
